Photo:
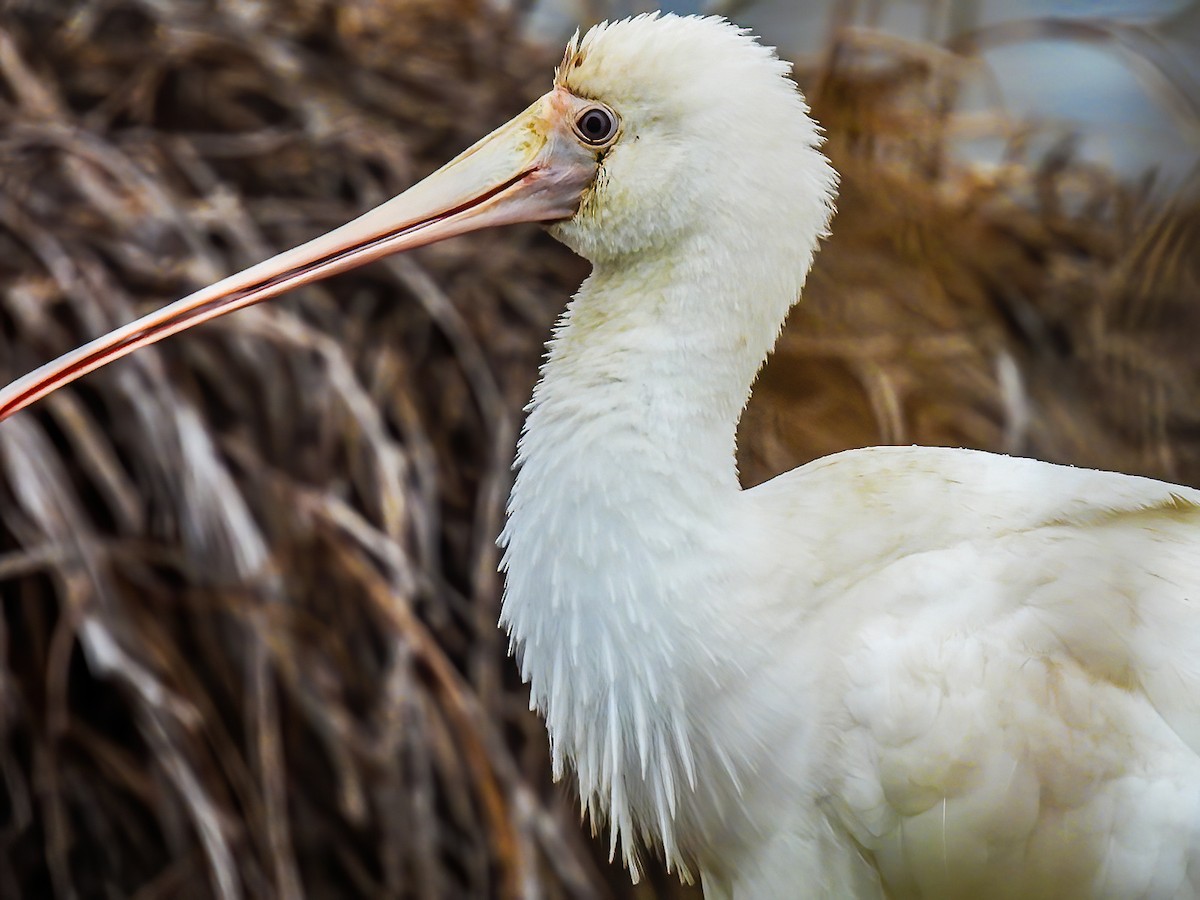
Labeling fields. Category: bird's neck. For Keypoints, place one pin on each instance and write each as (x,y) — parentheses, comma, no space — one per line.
(619,549)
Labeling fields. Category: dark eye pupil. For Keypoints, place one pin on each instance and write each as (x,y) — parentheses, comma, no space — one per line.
(595,125)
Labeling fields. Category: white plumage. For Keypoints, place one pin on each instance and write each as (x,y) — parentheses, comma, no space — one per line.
(900,672)
(911,671)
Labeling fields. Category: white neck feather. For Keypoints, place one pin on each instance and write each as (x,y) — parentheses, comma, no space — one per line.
(618,542)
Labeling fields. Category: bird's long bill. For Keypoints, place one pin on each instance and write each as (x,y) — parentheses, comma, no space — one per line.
(528,170)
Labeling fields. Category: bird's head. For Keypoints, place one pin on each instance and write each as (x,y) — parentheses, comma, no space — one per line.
(658,129)
(694,128)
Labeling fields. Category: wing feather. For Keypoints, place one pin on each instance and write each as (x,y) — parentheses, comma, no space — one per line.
(1021,648)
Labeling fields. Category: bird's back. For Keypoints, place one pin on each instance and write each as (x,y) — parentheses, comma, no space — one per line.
(1017,653)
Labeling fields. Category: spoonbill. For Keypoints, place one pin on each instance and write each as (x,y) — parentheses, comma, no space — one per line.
(897,671)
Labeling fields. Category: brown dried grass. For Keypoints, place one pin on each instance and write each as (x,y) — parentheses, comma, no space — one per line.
(1044,309)
(248,576)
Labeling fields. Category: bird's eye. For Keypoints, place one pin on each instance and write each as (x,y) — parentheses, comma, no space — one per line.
(596,125)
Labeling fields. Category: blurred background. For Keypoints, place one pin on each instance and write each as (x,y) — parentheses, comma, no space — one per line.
(248,577)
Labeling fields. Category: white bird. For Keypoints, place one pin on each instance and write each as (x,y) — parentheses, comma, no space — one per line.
(901,672)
